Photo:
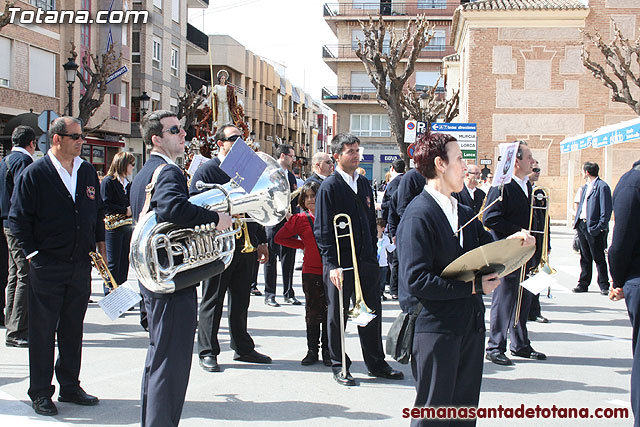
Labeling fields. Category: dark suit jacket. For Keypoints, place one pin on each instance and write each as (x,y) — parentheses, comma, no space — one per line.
(474,203)
(511,214)
(211,173)
(599,207)
(411,185)
(115,197)
(391,189)
(624,251)
(429,245)
(315,178)
(45,218)
(10,169)
(334,197)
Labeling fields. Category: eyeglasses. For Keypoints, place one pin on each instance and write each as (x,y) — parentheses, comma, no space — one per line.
(232,138)
(173,130)
(291,155)
(536,170)
(74,136)
(329,162)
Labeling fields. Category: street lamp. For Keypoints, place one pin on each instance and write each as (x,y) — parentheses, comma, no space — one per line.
(70,69)
(144,107)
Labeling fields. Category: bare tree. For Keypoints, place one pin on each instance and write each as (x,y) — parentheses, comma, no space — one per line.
(4,18)
(382,60)
(99,68)
(189,103)
(620,72)
(428,106)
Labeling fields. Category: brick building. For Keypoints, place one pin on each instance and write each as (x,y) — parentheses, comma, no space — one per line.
(521,76)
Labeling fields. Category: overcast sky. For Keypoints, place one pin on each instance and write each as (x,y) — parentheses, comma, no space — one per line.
(290,32)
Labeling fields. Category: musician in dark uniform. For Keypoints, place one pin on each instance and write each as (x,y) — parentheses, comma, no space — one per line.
(236,279)
(388,208)
(503,219)
(171,317)
(322,167)
(449,331)
(538,225)
(57,218)
(345,191)
(624,253)
(115,194)
(285,157)
(471,195)
(17,318)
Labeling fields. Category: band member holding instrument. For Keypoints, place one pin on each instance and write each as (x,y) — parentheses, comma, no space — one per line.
(449,331)
(504,218)
(236,279)
(538,222)
(171,317)
(115,194)
(624,253)
(345,191)
(315,301)
(471,195)
(57,218)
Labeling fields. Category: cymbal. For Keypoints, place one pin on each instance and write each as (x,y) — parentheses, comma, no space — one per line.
(502,257)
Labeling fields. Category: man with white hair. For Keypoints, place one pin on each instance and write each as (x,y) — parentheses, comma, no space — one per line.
(471,195)
(322,167)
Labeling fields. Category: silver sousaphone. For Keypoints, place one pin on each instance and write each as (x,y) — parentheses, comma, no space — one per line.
(167,257)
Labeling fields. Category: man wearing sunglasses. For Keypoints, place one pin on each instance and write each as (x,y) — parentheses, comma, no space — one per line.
(171,317)
(236,279)
(57,218)
(322,167)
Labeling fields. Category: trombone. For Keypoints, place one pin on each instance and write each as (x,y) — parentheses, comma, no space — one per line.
(540,194)
(100,264)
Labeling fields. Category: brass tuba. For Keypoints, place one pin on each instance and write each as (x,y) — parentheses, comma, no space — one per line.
(166,257)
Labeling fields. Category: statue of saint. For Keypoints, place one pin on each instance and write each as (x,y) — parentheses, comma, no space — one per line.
(226,108)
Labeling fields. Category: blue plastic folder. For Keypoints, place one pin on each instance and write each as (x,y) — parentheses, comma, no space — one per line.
(243,165)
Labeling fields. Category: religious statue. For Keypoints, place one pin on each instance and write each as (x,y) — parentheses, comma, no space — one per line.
(226,108)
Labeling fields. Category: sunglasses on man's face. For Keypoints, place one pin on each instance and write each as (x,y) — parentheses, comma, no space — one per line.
(74,136)
(232,138)
(173,130)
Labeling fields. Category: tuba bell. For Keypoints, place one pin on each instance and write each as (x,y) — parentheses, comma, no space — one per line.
(167,257)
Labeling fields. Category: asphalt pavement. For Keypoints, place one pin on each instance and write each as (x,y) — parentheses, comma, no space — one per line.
(587,343)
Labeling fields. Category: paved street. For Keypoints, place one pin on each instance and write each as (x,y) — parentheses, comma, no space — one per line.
(587,342)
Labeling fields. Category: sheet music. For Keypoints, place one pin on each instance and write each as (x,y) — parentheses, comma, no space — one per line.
(539,282)
(118,301)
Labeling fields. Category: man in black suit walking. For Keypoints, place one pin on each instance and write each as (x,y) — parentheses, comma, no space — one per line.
(171,317)
(285,157)
(471,195)
(592,224)
(17,312)
(236,279)
(57,218)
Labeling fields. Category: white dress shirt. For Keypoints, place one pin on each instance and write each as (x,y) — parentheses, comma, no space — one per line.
(69,181)
(165,157)
(22,150)
(449,206)
(583,211)
(522,183)
(352,181)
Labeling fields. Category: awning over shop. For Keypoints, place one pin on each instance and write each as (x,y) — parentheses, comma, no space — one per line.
(308,102)
(295,95)
(604,136)
(98,141)
(283,86)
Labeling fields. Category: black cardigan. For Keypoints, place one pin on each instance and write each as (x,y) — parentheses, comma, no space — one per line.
(115,197)
(11,167)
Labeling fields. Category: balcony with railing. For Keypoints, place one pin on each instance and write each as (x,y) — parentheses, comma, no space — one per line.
(391,8)
(196,40)
(360,95)
(334,54)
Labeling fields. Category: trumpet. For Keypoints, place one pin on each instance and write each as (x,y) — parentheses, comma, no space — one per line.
(244,230)
(99,263)
(113,221)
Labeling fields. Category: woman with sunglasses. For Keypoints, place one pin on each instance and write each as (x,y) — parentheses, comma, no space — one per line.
(316,303)
(115,194)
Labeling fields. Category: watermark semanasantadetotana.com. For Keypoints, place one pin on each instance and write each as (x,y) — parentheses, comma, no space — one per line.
(40,16)
(518,412)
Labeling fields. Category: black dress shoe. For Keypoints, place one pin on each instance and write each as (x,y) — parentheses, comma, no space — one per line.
(253,357)
(44,406)
(579,289)
(310,358)
(210,363)
(79,397)
(541,319)
(17,342)
(394,297)
(499,359)
(342,380)
(529,354)
(256,292)
(292,301)
(387,373)
(326,357)
(604,292)
(271,302)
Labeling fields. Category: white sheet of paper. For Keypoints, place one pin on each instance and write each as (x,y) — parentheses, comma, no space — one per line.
(118,301)
(504,169)
(538,282)
(363,319)
(196,162)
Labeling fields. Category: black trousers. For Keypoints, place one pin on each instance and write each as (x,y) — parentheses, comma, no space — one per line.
(392,259)
(448,372)
(17,311)
(632,298)
(534,309)
(58,297)
(370,335)
(117,242)
(315,307)
(4,268)
(503,310)
(172,326)
(592,250)
(237,279)
(287,260)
